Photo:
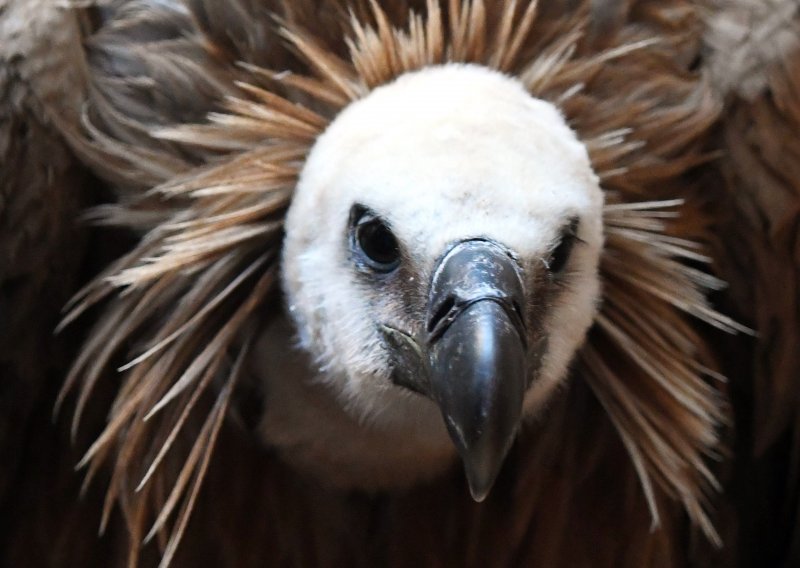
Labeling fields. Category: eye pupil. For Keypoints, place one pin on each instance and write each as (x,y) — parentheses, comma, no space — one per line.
(560,256)
(375,242)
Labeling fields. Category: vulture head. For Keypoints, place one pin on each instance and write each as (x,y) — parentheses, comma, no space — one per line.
(441,256)
(409,245)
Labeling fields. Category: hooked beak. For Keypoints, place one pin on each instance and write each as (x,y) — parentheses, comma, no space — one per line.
(473,359)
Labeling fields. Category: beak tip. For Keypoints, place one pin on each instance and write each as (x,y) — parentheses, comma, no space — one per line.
(478,495)
(480,479)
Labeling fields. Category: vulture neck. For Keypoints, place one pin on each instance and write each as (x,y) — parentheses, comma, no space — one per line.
(306,421)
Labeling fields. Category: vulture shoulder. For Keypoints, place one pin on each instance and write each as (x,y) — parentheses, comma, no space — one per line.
(43,190)
(753,62)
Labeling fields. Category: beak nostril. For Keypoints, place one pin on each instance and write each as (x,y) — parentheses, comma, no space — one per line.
(519,314)
(517,309)
(444,308)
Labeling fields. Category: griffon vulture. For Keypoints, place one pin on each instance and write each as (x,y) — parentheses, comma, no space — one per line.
(463,283)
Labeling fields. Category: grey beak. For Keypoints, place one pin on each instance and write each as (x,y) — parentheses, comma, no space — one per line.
(477,355)
(472,358)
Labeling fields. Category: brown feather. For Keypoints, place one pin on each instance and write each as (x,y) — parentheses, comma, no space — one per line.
(755,66)
(199,115)
(643,362)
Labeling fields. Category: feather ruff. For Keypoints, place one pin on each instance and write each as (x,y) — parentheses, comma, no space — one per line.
(208,199)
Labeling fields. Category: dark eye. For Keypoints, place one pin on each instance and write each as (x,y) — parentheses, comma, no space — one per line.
(560,255)
(375,241)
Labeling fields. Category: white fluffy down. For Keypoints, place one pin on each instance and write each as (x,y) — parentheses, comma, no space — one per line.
(443,154)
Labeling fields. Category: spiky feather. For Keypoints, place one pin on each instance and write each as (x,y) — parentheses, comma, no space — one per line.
(209,197)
